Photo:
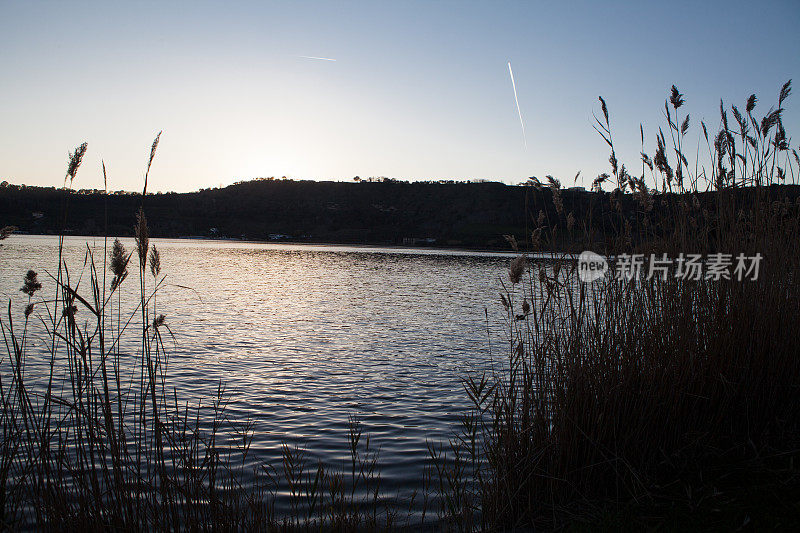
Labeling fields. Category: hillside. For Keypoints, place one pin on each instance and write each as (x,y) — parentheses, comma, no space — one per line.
(471,215)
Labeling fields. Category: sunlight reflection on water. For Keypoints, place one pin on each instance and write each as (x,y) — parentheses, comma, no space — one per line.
(302,337)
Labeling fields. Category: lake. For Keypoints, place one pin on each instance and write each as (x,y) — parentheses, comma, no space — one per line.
(303,337)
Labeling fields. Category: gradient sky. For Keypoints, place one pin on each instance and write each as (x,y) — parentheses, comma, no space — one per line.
(419,90)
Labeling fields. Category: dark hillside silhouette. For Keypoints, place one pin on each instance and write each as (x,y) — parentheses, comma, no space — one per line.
(459,214)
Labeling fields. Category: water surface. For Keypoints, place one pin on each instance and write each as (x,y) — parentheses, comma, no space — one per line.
(303,337)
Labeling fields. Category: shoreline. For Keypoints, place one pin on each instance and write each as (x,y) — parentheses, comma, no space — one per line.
(373,245)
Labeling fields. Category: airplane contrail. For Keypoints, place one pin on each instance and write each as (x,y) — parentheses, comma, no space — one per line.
(318,58)
(521,122)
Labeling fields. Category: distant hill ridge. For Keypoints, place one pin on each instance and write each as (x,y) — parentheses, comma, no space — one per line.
(462,214)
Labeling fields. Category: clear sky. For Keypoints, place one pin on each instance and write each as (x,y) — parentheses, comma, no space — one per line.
(419,90)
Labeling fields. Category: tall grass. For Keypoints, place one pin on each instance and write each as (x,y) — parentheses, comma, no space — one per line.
(651,402)
(104,441)
(630,403)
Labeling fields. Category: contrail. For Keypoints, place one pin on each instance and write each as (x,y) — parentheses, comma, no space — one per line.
(318,58)
(521,122)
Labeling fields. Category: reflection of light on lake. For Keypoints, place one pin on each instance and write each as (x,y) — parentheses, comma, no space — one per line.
(304,336)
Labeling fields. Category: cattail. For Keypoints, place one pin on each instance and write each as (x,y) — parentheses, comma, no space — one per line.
(517,269)
(526,307)
(142,237)
(31,283)
(155,261)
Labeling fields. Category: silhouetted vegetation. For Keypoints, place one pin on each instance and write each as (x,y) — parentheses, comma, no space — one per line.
(459,214)
(651,402)
(627,403)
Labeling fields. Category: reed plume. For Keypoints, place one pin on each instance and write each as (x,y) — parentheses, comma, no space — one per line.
(6,231)
(142,236)
(75,159)
(31,284)
(150,161)
(517,268)
(630,404)
(155,261)
(119,258)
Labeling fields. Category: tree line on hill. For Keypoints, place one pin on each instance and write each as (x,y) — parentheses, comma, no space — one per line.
(388,212)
